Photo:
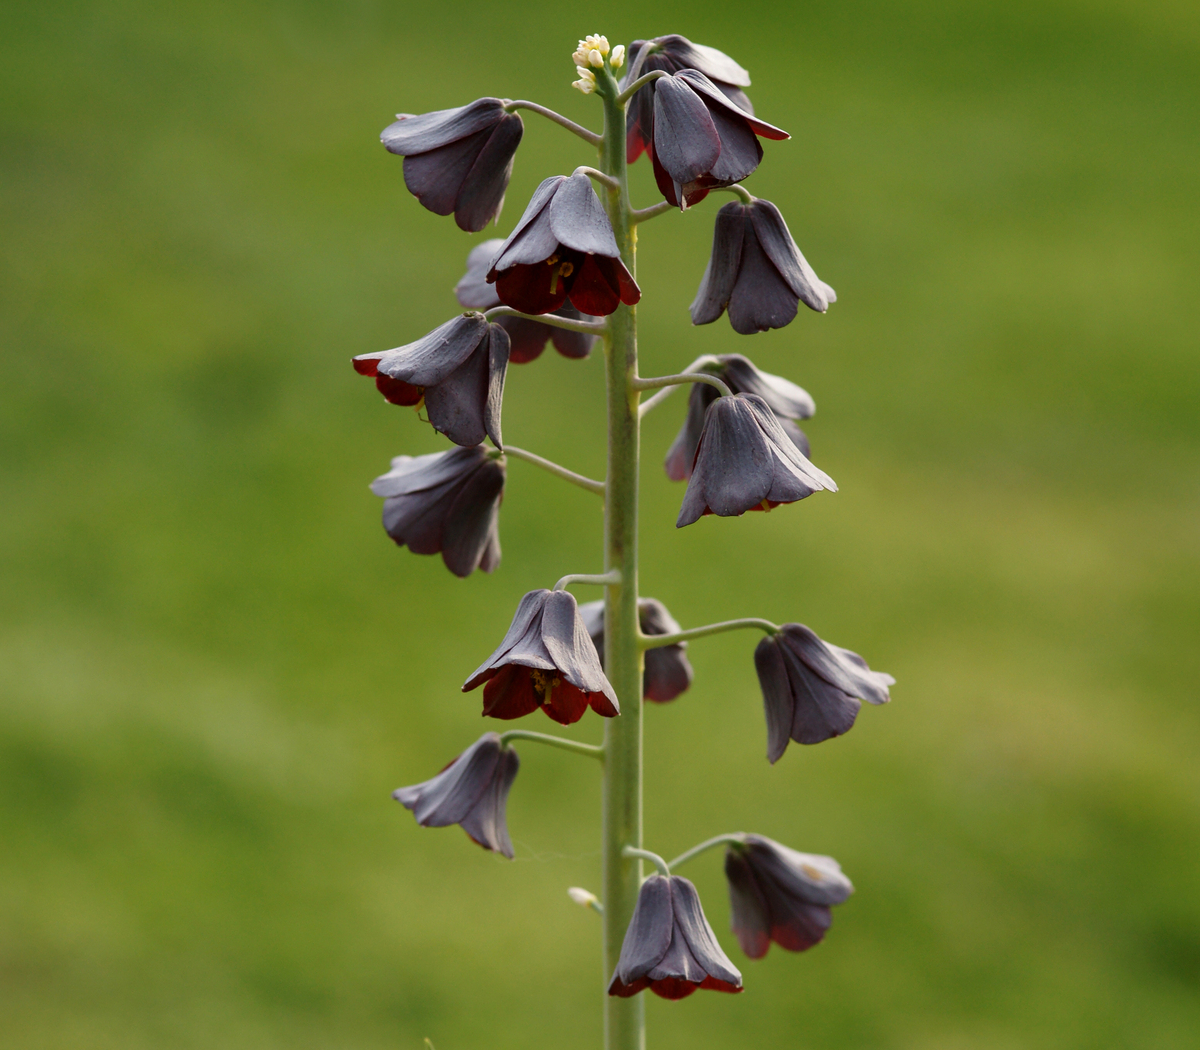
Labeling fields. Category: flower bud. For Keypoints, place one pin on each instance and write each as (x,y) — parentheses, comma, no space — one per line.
(586,86)
(595,42)
(617,58)
(596,59)
(580,56)
(584,898)
(585,73)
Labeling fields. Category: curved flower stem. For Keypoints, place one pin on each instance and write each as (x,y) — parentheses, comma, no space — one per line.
(656,641)
(607,579)
(553,320)
(608,181)
(558,118)
(686,377)
(640,83)
(553,741)
(707,844)
(739,191)
(642,214)
(597,487)
(655,399)
(645,854)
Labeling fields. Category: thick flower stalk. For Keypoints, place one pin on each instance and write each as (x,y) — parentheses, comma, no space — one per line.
(566,274)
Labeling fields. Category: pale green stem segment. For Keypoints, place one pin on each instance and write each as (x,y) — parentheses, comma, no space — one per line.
(562,472)
(656,641)
(553,320)
(703,361)
(637,85)
(558,118)
(738,191)
(605,579)
(684,377)
(624,1019)
(717,840)
(553,741)
(645,854)
(606,180)
(642,214)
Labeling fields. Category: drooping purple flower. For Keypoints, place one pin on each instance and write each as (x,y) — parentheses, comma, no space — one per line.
(671,54)
(528,338)
(812,689)
(448,502)
(777,894)
(563,248)
(757,272)
(471,791)
(457,370)
(701,140)
(782,396)
(546,660)
(667,672)
(670,947)
(458,160)
(745,461)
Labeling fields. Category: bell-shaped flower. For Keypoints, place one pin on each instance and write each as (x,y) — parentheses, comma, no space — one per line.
(777,894)
(782,396)
(528,338)
(667,672)
(563,248)
(471,791)
(757,272)
(546,660)
(458,160)
(448,502)
(702,140)
(457,371)
(671,54)
(745,461)
(812,689)
(670,947)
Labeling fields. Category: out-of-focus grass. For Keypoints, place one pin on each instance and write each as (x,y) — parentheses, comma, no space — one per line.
(214,667)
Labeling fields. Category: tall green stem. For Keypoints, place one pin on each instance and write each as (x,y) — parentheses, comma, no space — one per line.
(624,1019)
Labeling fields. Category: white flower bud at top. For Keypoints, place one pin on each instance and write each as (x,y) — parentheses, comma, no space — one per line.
(586,86)
(595,58)
(597,42)
(583,898)
(580,57)
(585,74)
(617,58)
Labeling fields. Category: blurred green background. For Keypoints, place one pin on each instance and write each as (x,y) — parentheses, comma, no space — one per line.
(214,666)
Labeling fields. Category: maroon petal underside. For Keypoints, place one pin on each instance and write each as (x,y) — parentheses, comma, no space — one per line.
(509,693)
(532,288)
(566,704)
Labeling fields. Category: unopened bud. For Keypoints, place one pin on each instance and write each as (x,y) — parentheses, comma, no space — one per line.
(584,898)
(595,41)
(585,73)
(586,86)
(595,58)
(580,56)
(617,58)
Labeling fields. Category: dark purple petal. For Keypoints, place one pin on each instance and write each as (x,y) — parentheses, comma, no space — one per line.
(784,397)
(778,704)
(839,667)
(686,142)
(524,626)
(419,134)
(532,240)
(473,291)
(720,276)
(714,98)
(418,521)
(711,62)
(689,917)
(682,453)
(649,934)
(457,404)
(761,299)
(482,190)
(436,177)
(470,521)
(436,355)
(750,918)
(486,823)
(734,467)
(740,149)
(498,350)
(808,877)
(822,711)
(567,641)
(451,795)
(411,474)
(579,220)
(776,240)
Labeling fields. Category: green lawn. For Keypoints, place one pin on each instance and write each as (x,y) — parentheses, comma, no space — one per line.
(214,666)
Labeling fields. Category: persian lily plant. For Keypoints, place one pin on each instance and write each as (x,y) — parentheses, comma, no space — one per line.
(567,274)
